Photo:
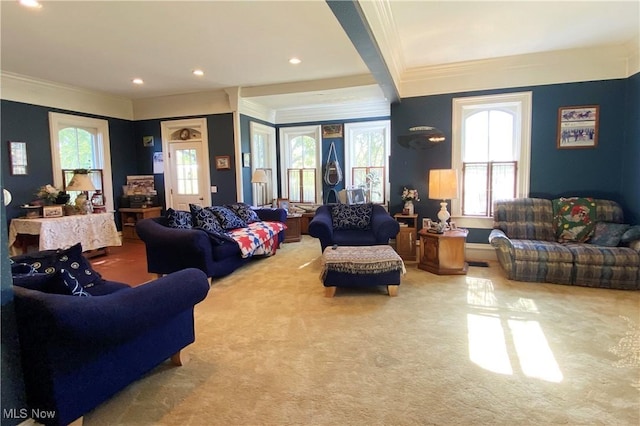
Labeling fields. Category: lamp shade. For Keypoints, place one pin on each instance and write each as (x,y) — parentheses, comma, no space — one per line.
(443,184)
(80,182)
(259,176)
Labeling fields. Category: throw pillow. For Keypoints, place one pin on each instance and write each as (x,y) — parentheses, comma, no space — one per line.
(631,234)
(574,219)
(46,283)
(72,284)
(204,218)
(179,219)
(354,216)
(244,212)
(71,259)
(227,218)
(608,234)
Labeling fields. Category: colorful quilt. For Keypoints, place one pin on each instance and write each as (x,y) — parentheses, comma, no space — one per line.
(258,238)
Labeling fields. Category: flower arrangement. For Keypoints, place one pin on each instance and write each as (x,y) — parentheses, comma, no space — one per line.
(47,194)
(410,194)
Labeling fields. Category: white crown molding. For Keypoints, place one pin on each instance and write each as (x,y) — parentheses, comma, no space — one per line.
(256,110)
(343,111)
(309,86)
(28,90)
(188,104)
(566,66)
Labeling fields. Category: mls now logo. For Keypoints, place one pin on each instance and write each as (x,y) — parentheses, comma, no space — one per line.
(24,413)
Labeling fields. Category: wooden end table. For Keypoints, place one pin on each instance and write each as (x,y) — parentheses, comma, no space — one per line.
(443,254)
(293,231)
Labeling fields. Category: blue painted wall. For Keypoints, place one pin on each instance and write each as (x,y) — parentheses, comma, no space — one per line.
(598,172)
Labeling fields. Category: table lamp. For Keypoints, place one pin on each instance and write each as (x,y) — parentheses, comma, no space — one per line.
(443,185)
(259,177)
(82,182)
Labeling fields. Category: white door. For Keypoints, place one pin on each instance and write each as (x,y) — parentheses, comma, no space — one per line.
(186,170)
(186,175)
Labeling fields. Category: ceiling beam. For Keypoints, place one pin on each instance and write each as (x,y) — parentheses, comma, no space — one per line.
(351,17)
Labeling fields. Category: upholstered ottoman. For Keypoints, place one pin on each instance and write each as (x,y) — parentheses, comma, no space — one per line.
(361,266)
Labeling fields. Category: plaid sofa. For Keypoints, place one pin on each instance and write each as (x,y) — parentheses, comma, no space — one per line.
(527,248)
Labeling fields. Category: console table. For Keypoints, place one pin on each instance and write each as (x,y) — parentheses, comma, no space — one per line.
(94,231)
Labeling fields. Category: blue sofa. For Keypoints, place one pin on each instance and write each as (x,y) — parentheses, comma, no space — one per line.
(527,247)
(76,351)
(172,249)
(348,231)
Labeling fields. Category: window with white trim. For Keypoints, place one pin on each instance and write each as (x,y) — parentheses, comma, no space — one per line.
(263,156)
(491,151)
(301,166)
(367,147)
(81,143)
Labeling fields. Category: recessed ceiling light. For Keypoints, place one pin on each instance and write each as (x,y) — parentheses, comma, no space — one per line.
(137,81)
(294,61)
(34,4)
(197,72)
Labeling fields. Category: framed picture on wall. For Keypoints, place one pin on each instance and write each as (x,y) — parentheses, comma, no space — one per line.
(578,126)
(223,162)
(332,131)
(246,159)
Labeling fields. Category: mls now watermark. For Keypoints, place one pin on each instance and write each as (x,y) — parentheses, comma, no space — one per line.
(25,413)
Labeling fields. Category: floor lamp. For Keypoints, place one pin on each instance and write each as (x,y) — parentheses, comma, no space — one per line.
(260,178)
(443,185)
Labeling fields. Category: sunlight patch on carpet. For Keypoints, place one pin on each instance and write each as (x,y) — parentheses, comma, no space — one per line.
(628,349)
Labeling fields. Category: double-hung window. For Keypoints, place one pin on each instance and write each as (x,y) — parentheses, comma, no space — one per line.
(491,152)
(81,143)
(263,156)
(301,164)
(367,158)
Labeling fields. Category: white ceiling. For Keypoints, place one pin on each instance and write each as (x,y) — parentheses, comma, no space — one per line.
(103,45)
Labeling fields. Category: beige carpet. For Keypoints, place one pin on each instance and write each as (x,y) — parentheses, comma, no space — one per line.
(449,350)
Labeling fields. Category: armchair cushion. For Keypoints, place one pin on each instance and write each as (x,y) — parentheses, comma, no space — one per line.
(356,216)
(608,234)
(631,234)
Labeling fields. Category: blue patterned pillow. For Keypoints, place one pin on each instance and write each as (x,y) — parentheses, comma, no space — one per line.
(354,216)
(608,234)
(227,218)
(71,259)
(72,284)
(244,212)
(179,219)
(205,219)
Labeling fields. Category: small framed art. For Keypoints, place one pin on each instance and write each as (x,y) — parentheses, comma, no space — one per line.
(578,126)
(426,223)
(332,131)
(246,159)
(223,162)
(283,203)
(52,211)
(18,158)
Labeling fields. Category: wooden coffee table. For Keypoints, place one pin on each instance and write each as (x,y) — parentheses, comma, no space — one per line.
(361,266)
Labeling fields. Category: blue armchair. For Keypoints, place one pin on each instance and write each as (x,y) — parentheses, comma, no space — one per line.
(79,351)
(347,225)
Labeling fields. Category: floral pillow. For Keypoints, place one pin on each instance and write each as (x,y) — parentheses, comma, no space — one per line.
(354,216)
(244,212)
(608,234)
(179,219)
(574,219)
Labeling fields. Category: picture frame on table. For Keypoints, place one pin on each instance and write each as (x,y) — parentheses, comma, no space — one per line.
(355,196)
(223,162)
(283,203)
(426,223)
(52,211)
(453,226)
(578,127)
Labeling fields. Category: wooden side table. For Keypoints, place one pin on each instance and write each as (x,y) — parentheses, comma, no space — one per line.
(443,254)
(293,232)
(131,216)
(406,239)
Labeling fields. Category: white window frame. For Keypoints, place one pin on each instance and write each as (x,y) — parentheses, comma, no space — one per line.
(351,130)
(269,135)
(288,133)
(522,101)
(57,122)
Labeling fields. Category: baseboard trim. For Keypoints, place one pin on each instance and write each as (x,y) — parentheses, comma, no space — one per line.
(477,251)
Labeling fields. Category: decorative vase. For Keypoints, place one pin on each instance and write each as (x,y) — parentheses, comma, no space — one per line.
(408,206)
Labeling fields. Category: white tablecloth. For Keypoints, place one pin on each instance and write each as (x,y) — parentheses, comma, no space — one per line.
(94,231)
